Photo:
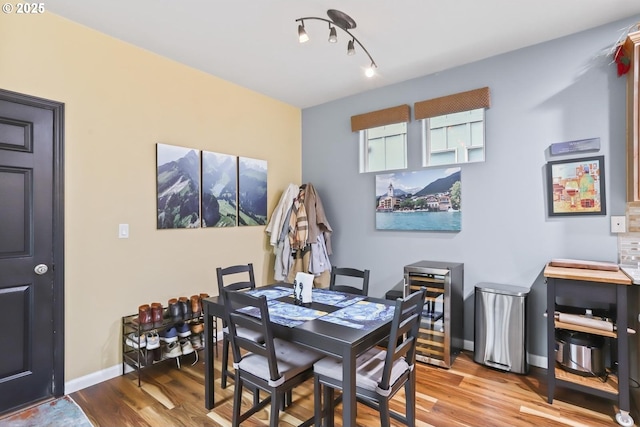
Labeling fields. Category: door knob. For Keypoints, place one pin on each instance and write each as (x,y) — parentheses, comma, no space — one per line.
(41,269)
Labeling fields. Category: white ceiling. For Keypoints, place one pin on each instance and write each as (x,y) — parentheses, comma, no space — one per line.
(253,43)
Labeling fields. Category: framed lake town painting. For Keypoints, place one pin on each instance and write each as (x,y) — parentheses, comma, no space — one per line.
(424,200)
(576,187)
(178,187)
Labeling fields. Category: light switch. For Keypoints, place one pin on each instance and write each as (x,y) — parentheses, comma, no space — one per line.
(618,224)
(123,231)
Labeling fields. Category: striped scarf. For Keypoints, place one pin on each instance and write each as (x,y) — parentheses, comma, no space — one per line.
(298,224)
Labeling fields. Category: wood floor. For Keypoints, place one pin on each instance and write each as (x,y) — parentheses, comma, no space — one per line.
(468,394)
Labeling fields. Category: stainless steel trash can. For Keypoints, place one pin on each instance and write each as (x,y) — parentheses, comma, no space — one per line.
(500,338)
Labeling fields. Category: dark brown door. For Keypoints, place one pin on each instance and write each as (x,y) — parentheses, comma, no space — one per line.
(31,288)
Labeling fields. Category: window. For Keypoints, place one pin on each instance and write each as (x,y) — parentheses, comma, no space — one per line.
(453,138)
(383,138)
(383,148)
(453,128)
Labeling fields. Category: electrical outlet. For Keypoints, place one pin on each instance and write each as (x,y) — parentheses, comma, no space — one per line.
(618,224)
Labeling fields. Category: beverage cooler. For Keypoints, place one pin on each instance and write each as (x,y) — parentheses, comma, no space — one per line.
(441,329)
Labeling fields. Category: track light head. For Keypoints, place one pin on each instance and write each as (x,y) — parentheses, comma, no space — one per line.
(302,34)
(333,36)
(371,71)
(350,49)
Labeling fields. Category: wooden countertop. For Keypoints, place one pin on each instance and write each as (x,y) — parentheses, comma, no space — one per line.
(613,277)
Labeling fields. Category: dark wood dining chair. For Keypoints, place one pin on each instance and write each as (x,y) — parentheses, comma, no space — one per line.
(234,278)
(274,365)
(350,280)
(381,373)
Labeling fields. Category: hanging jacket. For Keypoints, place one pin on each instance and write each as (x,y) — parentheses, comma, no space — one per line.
(316,218)
(280,214)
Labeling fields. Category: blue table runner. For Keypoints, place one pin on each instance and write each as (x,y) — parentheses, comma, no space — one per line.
(354,312)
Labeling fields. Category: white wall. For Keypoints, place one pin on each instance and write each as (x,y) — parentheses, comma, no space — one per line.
(562,90)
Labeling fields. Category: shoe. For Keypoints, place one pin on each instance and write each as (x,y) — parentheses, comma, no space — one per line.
(172,349)
(186,347)
(169,335)
(153,340)
(196,305)
(185,308)
(156,314)
(183,329)
(197,327)
(135,341)
(144,317)
(157,354)
(148,358)
(196,341)
(174,312)
(203,296)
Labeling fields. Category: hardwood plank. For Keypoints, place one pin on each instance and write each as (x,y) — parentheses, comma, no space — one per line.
(468,394)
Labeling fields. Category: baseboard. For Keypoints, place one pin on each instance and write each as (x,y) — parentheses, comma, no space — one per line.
(92,379)
(100,376)
(533,359)
(537,361)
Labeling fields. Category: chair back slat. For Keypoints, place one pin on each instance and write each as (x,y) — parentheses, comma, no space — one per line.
(242,320)
(404,333)
(352,273)
(240,278)
(234,301)
(236,272)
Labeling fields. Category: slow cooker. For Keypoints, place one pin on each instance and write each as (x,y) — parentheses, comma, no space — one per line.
(580,353)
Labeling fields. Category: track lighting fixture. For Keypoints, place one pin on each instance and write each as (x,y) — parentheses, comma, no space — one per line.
(345,23)
(369,72)
(302,34)
(350,49)
(333,36)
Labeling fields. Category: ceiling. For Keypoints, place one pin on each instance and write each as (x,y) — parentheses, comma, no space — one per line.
(254,43)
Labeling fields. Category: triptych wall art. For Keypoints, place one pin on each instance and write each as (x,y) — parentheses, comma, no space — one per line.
(425,200)
(206,189)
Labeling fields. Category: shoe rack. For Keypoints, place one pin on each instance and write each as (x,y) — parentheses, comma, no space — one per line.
(138,352)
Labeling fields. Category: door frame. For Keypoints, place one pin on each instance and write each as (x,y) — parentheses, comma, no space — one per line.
(57,108)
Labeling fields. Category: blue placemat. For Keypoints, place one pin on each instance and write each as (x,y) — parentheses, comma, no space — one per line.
(271,293)
(361,315)
(286,314)
(334,298)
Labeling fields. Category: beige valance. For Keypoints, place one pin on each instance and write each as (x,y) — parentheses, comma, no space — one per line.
(463,101)
(374,119)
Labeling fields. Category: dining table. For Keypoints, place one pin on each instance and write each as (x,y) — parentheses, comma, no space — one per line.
(335,323)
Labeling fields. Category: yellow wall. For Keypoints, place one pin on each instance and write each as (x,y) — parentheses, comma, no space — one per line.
(119,102)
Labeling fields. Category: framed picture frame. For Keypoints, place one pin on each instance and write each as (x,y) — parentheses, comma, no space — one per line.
(576,187)
(177,187)
(252,191)
(422,200)
(219,190)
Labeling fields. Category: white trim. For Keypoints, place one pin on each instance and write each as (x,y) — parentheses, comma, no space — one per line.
(97,377)
(538,361)
(93,379)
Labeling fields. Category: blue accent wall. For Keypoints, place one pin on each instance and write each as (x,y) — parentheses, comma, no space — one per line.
(563,90)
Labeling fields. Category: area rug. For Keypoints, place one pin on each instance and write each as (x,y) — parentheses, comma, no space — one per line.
(59,412)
